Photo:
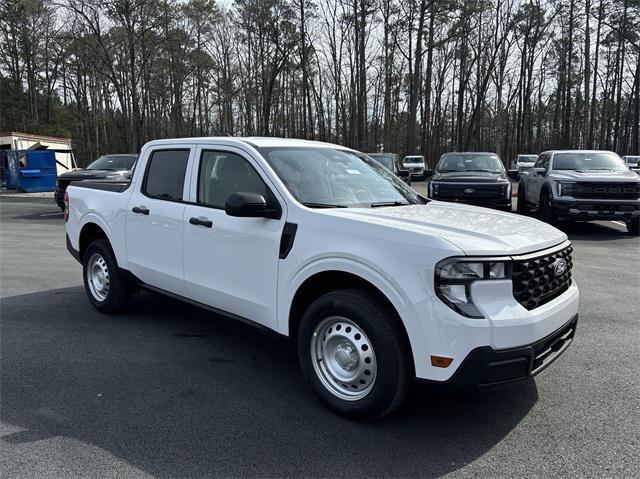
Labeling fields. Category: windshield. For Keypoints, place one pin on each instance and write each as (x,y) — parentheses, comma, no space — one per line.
(599,160)
(470,162)
(384,160)
(528,158)
(113,162)
(331,177)
(413,160)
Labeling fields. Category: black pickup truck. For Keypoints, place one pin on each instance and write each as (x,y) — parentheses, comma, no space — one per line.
(107,167)
(473,178)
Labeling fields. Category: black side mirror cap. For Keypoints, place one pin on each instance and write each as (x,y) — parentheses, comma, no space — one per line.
(403,173)
(250,205)
(428,173)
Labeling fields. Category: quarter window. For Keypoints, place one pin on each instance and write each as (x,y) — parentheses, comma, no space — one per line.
(165,174)
(221,174)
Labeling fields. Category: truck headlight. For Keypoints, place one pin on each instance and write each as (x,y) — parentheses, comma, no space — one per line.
(509,190)
(565,188)
(433,189)
(454,277)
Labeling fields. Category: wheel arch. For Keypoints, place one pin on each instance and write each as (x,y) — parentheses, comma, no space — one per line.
(89,233)
(322,282)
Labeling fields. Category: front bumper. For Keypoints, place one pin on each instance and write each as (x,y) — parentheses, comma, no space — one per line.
(486,367)
(502,203)
(596,209)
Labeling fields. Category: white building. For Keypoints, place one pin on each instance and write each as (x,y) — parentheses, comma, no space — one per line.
(13,140)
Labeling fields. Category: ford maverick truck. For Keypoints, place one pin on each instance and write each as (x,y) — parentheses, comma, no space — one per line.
(377,285)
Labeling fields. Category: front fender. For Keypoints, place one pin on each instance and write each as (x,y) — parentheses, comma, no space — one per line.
(349,264)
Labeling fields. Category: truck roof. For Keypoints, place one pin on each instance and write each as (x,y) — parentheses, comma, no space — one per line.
(577,151)
(255,141)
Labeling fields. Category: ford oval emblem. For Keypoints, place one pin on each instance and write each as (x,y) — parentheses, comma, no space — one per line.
(559,267)
(469,191)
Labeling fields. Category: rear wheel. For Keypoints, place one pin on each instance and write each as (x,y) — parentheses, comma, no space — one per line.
(522,207)
(354,353)
(546,209)
(633,226)
(106,288)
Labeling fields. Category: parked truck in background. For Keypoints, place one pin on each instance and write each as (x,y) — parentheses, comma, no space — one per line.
(581,185)
(377,285)
(112,167)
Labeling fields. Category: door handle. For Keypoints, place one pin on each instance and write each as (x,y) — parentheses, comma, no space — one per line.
(141,210)
(201,222)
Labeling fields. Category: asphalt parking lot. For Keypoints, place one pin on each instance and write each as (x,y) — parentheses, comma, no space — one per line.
(168,390)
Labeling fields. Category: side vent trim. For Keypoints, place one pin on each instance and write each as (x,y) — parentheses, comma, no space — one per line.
(286,241)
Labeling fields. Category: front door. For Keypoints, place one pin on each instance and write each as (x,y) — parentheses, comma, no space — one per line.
(534,185)
(230,263)
(154,220)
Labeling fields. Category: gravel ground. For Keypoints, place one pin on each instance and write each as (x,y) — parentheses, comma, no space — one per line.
(168,390)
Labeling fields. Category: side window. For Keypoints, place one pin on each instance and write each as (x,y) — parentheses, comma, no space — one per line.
(543,162)
(164,178)
(221,174)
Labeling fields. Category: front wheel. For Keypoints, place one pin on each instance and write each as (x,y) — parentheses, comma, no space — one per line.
(633,226)
(523,207)
(546,209)
(107,290)
(354,353)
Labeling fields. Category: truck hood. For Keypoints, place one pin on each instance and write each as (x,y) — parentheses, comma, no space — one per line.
(474,230)
(475,176)
(596,176)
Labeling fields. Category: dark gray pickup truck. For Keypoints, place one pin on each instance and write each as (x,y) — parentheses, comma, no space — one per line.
(581,185)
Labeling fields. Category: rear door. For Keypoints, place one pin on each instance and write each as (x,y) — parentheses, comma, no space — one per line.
(231,263)
(154,219)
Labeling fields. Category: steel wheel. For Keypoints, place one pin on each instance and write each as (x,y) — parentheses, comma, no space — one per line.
(98,277)
(343,358)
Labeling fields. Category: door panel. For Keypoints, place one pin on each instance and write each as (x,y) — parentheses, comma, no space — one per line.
(232,265)
(154,230)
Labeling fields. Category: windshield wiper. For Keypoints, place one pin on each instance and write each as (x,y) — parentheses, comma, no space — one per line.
(388,203)
(485,171)
(310,204)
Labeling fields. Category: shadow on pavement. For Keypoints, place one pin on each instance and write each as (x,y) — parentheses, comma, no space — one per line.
(49,215)
(178,392)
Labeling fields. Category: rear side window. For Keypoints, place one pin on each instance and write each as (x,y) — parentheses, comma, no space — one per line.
(165,174)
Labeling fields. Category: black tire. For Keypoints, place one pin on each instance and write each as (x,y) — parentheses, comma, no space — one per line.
(546,210)
(522,207)
(633,226)
(115,298)
(392,364)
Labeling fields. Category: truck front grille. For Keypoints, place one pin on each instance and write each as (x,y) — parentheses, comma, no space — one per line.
(471,191)
(535,281)
(608,191)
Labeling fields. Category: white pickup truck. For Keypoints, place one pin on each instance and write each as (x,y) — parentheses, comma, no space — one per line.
(378,285)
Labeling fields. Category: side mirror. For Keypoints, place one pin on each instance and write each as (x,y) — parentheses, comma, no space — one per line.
(428,173)
(403,173)
(250,205)
(540,171)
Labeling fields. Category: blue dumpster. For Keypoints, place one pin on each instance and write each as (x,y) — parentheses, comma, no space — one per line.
(31,170)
